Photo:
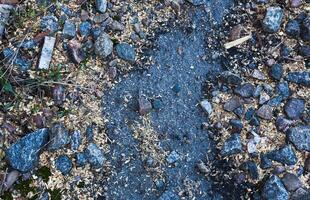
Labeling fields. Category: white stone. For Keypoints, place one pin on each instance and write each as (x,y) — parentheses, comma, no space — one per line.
(206,106)
(47,52)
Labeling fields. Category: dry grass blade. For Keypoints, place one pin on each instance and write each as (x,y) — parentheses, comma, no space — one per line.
(237,42)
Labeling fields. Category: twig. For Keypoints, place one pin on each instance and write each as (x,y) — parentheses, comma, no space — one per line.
(237,42)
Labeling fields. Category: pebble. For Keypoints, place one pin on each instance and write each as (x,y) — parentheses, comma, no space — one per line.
(291,182)
(239,111)
(237,125)
(23,155)
(294,108)
(94,155)
(103,45)
(69,30)
(257,74)
(305,29)
(157,104)
(101,5)
(5,11)
(276,71)
(245,90)
(283,89)
(177,88)
(249,113)
(145,106)
(81,159)
(265,162)
(206,106)
(300,194)
(232,145)
(283,124)
(201,166)
(49,23)
(292,28)
(29,44)
(284,155)
(302,77)
(263,98)
(58,136)
(304,50)
(125,52)
(85,28)
(265,112)
(230,78)
(300,137)
(295,3)
(233,103)
(273,19)
(47,52)
(63,164)
(75,51)
(173,157)
(251,168)
(90,133)
(116,26)
(75,140)
(274,189)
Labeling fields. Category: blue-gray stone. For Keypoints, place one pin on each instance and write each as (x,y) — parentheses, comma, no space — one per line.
(69,30)
(126,52)
(276,71)
(236,124)
(101,5)
(94,155)
(29,44)
(24,154)
(22,63)
(59,137)
(85,28)
(284,155)
(173,157)
(304,50)
(294,108)
(273,19)
(230,78)
(169,195)
(291,182)
(90,133)
(232,145)
(75,140)
(96,32)
(249,113)
(275,101)
(300,137)
(245,90)
(274,189)
(103,45)
(305,29)
(81,159)
(265,162)
(292,28)
(302,78)
(63,164)
(49,23)
(67,11)
(251,168)
(283,89)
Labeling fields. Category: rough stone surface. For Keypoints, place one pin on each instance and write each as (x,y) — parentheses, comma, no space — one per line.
(300,137)
(232,145)
(58,136)
(145,106)
(273,19)
(233,103)
(291,182)
(276,71)
(94,155)
(85,28)
(69,29)
(302,78)
(206,106)
(101,5)
(283,124)
(284,155)
(265,112)
(294,108)
(5,11)
(292,28)
(245,90)
(274,189)
(64,164)
(305,29)
(103,45)
(24,154)
(125,52)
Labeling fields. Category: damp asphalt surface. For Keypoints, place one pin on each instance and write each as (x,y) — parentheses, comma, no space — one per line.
(178,65)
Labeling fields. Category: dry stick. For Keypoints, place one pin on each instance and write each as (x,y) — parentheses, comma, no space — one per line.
(237,42)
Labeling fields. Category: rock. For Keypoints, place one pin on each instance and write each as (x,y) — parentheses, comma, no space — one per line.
(304,50)
(273,19)
(22,63)
(300,194)
(90,133)
(94,155)
(276,71)
(103,45)
(59,95)
(206,106)
(245,90)
(173,157)
(75,52)
(263,98)
(202,168)
(145,106)
(249,113)
(230,78)
(292,28)
(257,74)
(169,195)
(85,28)
(274,189)
(307,164)
(24,154)
(305,29)
(69,29)
(63,164)
(81,159)
(265,162)
(294,108)
(265,112)
(5,11)
(291,182)
(177,88)
(125,52)
(116,26)
(237,125)
(274,102)
(75,140)
(251,168)
(101,5)
(302,78)
(239,111)
(253,142)
(47,52)
(295,3)
(233,103)
(284,155)
(283,124)
(232,145)
(29,44)
(300,137)
(59,137)
(279,169)
(283,89)
(49,23)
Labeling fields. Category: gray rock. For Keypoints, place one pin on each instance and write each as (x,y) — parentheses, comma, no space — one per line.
(75,140)
(94,155)
(125,52)
(294,108)
(300,137)
(257,74)
(24,154)
(302,78)
(291,182)
(169,195)
(274,189)
(230,78)
(145,106)
(283,124)
(273,19)
(116,26)
(233,103)
(5,11)
(232,145)
(206,106)
(47,52)
(301,194)
(265,112)
(69,30)
(305,29)
(245,90)
(101,5)
(263,98)
(173,157)
(81,159)
(59,137)
(284,155)
(103,45)
(49,23)
(64,164)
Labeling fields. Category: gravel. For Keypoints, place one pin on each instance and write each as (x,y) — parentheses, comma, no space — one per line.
(301,77)
(232,145)
(206,106)
(300,137)
(101,5)
(274,189)
(292,28)
(284,155)
(265,112)
(276,71)
(291,182)
(245,90)
(305,29)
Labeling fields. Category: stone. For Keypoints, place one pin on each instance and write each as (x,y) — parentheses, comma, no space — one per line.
(116,26)
(81,159)
(75,140)
(232,145)
(276,71)
(265,162)
(196,2)
(69,30)
(283,124)
(305,29)
(22,63)
(29,44)
(239,111)
(49,23)
(302,78)
(292,28)
(257,74)
(251,168)
(94,156)
(90,133)
(145,106)
(273,19)
(245,90)
(300,194)
(274,189)
(206,106)
(291,182)
(233,103)
(265,112)
(263,98)
(300,137)
(294,108)
(295,3)
(103,45)
(230,78)
(283,89)
(23,155)
(284,155)
(59,137)
(169,195)
(75,52)
(125,52)
(63,164)
(5,12)
(47,52)
(173,157)
(59,95)
(202,167)
(85,28)
(237,125)
(274,102)
(307,164)
(249,113)
(304,50)
(101,5)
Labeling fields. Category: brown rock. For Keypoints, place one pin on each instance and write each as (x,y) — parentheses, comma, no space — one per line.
(75,52)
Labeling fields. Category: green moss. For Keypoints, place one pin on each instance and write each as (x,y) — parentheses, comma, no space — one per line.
(55,194)
(7,196)
(44,172)
(24,187)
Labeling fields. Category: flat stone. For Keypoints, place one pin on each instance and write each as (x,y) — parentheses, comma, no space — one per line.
(283,124)
(276,71)
(300,137)
(305,29)
(232,145)
(274,189)
(173,157)
(265,112)
(145,106)
(101,5)
(294,108)
(125,52)
(284,155)
(292,28)
(23,155)
(69,29)
(103,45)
(5,11)
(245,90)
(75,140)
(273,19)
(59,137)
(291,182)
(94,155)
(47,52)
(233,103)
(63,164)
(206,106)
(302,78)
